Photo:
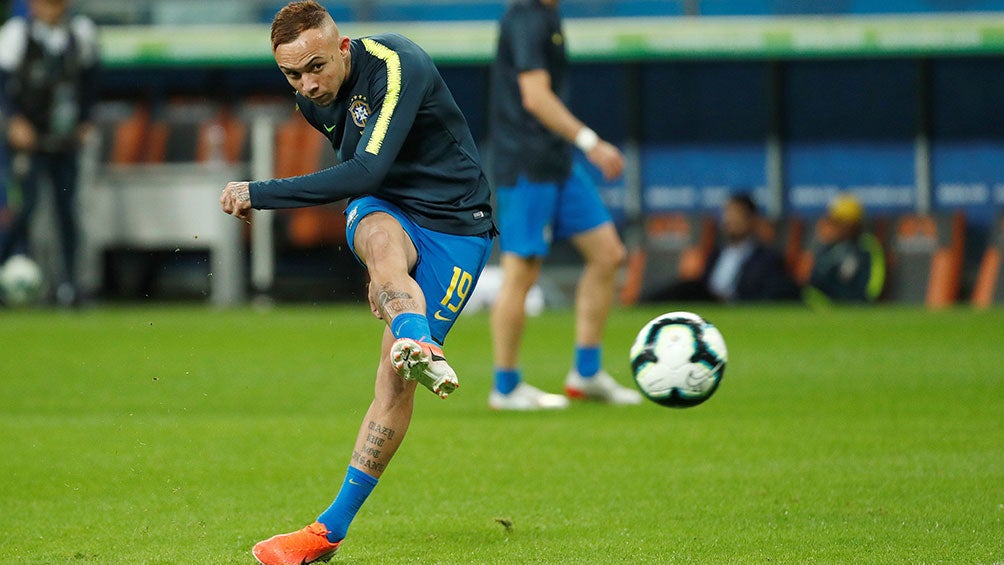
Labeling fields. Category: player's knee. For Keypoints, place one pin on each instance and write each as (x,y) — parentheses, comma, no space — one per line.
(383,255)
(384,246)
(376,244)
(521,275)
(610,256)
(619,254)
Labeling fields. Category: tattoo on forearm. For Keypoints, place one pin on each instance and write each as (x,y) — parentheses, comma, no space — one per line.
(392,301)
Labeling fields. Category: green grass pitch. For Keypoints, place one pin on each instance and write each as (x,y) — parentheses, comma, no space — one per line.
(184,435)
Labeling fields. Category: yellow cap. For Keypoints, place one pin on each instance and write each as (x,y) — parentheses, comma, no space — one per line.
(845,207)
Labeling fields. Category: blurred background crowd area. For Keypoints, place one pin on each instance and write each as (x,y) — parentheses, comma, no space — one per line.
(894,101)
(161,12)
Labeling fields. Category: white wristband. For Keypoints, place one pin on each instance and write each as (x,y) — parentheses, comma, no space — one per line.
(586,139)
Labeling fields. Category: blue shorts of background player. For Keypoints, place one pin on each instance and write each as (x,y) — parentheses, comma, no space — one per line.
(448,265)
(532,215)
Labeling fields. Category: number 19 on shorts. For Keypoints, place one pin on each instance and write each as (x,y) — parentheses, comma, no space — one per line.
(460,287)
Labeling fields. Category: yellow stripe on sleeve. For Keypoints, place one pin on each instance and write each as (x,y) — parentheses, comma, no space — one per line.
(393,62)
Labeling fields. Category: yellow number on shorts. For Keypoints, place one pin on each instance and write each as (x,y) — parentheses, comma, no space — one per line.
(461,285)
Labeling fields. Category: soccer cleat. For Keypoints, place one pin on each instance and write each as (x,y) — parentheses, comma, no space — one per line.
(600,387)
(423,362)
(526,397)
(309,545)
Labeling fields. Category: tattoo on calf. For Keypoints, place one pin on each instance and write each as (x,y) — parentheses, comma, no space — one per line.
(382,430)
(366,463)
(369,457)
(392,301)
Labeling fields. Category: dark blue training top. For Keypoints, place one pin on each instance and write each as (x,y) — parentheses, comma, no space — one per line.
(530,38)
(400,136)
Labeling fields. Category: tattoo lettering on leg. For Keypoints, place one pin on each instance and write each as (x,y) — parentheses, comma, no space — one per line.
(392,301)
(382,430)
(369,457)
(365,462)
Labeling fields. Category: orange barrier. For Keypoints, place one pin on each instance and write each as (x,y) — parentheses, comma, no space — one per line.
(927,257)
(677,247)
(299,151)
(989,285)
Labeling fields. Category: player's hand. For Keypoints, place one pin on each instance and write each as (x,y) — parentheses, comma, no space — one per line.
(21,134)
(608,159)
(236,200)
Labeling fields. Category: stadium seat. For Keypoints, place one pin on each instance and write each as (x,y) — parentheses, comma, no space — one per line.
(301,150)
(798,249)
(174,135)
(989,286)
(927,255)
(120,127)
(129,138)
(790,238)
(231,140)
(676,247)
(154,149)
(181,132)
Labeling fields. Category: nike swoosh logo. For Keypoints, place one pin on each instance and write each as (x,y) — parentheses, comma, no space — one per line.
(439,316)
(353,482)
(328,128)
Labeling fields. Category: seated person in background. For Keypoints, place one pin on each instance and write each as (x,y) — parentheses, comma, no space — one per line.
(849,264)
(744,269)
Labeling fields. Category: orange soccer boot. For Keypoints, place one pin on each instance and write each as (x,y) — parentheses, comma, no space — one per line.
(308,545)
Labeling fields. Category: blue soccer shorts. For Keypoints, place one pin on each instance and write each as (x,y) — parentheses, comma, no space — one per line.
(533,214)
(448,265)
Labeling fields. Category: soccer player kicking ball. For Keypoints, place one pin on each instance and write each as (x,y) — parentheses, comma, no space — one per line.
(419,219)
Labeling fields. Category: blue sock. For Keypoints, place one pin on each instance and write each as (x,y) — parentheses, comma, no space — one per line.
(587,360)
(356,487)
(507,379)
(412,326)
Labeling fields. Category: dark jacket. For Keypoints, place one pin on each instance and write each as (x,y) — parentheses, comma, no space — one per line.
(762,276)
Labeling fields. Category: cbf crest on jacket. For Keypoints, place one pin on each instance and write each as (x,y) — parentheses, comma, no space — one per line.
(400,136)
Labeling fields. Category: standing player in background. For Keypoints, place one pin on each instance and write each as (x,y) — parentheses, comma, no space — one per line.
(542,196)
(48,86)
(419,219)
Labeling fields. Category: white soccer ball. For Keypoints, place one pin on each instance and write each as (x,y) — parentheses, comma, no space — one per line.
(678,359)
(20,281)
